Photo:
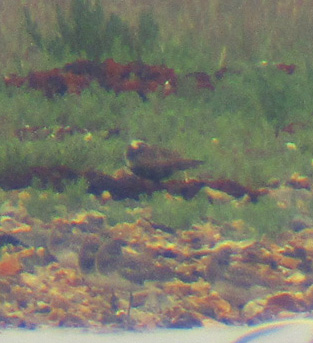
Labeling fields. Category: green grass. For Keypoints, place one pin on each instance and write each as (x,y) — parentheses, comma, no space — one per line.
(265,218)
(236,129)
(175,212)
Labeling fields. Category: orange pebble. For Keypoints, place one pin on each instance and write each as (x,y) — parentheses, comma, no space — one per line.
(10,265)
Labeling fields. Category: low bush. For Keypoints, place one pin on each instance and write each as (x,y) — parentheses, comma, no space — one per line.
(175,212)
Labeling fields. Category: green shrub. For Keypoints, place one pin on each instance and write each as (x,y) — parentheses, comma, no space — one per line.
(148,34)
(80,33)
(263,218)
(75,197)
(176,212)
(123,211)
(32,28)
(86,32)
(267,218)
(48,204)
(43,204)
(118,39)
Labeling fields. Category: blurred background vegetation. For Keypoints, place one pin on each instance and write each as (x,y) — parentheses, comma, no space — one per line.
(236,130)
(189,35)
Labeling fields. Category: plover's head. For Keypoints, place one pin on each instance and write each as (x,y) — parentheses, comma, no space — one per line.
(136,144)
(133,151)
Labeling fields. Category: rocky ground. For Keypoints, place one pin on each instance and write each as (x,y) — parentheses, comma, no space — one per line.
(80,271)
